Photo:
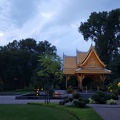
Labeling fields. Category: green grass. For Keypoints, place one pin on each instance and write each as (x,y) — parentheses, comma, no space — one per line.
(33,112)
(40,111)
(86,113)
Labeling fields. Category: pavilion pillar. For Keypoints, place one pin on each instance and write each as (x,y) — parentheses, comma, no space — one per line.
(97,81)
(102,77)
(80,77)
(67,78)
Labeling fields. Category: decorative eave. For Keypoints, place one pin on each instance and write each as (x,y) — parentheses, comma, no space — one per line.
(93,71)
(84,63)
(92,49)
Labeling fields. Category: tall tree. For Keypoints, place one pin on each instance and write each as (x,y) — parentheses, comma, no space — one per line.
(50,65)
(104,29)
(18,60)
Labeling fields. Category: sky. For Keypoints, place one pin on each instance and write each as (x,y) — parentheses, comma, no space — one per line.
(56,21)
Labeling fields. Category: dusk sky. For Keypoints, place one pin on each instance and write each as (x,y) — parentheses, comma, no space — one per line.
(56,21)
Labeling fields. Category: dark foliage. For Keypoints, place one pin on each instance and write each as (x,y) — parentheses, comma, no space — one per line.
(18,61)
(104,29)
(76,95)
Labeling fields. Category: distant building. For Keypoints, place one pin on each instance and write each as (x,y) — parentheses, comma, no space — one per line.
(85,64)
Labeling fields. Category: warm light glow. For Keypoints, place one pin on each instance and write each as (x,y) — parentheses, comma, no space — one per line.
(119,84)
(110,90)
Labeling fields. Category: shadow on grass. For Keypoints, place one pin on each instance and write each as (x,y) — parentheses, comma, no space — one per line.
(86,113)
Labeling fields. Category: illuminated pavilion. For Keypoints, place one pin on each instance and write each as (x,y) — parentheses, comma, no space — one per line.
(85,64)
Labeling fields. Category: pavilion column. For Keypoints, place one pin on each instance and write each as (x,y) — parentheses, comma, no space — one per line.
(80,77)
(102,77)
(97,81)
(67,78)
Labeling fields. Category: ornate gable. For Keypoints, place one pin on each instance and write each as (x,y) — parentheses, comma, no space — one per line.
(92,60)
(84,63)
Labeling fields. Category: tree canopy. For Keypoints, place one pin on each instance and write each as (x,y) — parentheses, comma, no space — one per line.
(50,68)
(19,59)
(104,29)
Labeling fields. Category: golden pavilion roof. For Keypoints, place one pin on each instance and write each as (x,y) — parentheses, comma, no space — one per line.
(84,63)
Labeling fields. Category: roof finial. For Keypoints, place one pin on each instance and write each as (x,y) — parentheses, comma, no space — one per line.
(76,50)
(63,54)
(91,45)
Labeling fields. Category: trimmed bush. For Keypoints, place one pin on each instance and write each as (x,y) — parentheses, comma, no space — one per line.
(70,99)
(100,93)
(111,102)
(66,100)
(69,104)
(115,97)
(76,95)
(107,96)
(118,90)
(80,99)
(70,89)
(82,104)
(95,97)
(102,100)
(61,102)
(91,101)
(76,102)
(101,97)
(86,100)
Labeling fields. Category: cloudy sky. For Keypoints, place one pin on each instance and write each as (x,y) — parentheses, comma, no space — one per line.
(56,21)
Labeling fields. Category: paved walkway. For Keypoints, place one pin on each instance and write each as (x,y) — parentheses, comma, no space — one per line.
(107,112)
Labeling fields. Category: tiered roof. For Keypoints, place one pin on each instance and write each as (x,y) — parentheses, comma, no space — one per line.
(84,62)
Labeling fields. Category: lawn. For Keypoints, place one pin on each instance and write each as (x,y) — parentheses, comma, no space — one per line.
(46,112)
(86,113)
(33,112)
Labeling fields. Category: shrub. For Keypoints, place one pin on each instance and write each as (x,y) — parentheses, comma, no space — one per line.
(115,97)
(118,90)
(80,99)
(70,89)
(102,100)
(70,99)
(69,104)
(66,100)
(76,95)
(82,104)
(61,102)
(95,97)
(100,93)
(86,100)
(91,101)
(111,102)
(76,102)
(107,96)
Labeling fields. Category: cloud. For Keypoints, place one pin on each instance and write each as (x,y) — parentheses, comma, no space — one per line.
(54,20)
(23,10)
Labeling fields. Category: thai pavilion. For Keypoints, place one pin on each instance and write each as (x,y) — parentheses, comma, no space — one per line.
(85,65)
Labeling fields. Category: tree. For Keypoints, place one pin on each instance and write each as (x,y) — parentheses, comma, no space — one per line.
(104,29)
(18,60)
(115,67)
(50,65)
